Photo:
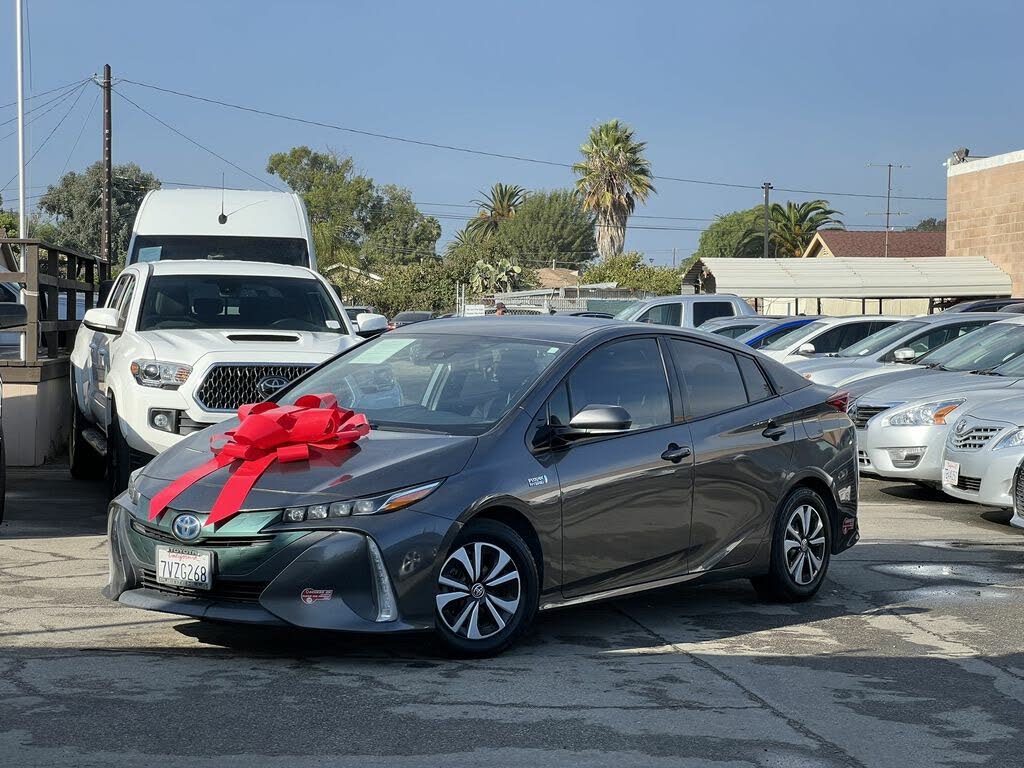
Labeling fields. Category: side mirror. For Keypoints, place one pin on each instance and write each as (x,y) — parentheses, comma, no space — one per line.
(103,320)
(596,420)
(805,349)
(904,355)
(105,287)
(12,314)
(369,325)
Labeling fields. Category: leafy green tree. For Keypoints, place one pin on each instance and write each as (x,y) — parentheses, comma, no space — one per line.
(931,225)
(397,233)
(613,176)
(792,227)
(550,226)
(74,207)
(629,271)
(499,205)
(730,235)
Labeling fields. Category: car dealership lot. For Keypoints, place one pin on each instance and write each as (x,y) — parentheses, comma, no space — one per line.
(907,657)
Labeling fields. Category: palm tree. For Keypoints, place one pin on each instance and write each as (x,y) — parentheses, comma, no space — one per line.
(792,227)
(614,176)
(498,205)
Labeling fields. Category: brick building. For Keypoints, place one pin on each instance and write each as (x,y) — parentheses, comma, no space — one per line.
(985,212)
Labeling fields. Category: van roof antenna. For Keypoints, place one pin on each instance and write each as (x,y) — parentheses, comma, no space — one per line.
(223,218)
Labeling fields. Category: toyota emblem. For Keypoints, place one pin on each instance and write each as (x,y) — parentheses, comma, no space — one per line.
(186,527)
(268,385)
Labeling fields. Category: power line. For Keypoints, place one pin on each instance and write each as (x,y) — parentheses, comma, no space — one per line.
(56,101)
(80,132)
(480,152)
(196,143)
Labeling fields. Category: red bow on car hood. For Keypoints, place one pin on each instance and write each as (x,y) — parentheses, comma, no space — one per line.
(267,432)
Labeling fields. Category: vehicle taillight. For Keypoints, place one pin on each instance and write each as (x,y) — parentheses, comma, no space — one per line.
(840,401)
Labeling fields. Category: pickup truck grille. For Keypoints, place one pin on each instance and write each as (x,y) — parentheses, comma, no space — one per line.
(226,387)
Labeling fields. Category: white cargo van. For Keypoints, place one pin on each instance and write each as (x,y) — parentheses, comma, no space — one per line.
(222,225)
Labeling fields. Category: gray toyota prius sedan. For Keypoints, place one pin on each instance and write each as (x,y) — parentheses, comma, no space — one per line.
(504,466)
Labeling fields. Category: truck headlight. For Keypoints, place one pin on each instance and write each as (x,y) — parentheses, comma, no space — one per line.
(156,373)
(1014,439)
(924,415)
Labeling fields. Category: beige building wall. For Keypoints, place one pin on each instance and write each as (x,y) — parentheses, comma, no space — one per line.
(985,212)
(836,307)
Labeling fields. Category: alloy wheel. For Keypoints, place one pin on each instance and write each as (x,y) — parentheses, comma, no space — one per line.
(804,544)
(479,590)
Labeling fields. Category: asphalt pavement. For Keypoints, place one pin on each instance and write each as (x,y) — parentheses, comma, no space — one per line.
(906,658)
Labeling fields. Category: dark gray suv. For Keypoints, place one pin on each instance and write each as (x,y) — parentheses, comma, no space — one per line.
(512,465)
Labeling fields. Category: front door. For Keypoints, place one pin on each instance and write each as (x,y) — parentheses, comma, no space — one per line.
(626,499)
(99,349)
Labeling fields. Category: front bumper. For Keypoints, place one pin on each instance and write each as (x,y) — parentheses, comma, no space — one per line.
(877,441)
(986,476)
(134,414)
(315,579)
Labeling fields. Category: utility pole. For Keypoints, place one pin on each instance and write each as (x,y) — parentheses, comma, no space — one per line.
(107,191)
(888,197)
(673,257)
(767,186)
(22,228)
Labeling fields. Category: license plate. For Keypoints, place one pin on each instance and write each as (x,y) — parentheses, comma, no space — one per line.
(182,567)
(950,472)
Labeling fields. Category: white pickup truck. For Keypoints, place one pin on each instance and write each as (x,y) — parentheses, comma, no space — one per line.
(180,345)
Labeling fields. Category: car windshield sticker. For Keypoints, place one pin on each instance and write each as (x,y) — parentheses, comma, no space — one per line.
(333,324)
(150,253)
(382,351)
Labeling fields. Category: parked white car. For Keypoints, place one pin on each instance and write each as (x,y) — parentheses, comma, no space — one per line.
(826,336)
(686,310)
(180,345)
(983,454)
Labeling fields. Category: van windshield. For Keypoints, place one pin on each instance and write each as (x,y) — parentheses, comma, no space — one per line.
(273,250)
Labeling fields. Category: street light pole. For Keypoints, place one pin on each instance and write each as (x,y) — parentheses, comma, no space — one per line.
(22,228)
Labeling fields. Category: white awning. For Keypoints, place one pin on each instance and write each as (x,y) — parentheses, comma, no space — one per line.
(852,278)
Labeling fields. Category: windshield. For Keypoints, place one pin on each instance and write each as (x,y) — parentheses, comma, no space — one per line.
(878,341)
(274,250)
(788,339)
(986,348)
(453,384)
(252,302)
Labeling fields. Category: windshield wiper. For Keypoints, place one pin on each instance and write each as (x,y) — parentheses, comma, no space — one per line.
(399,428)
(936,367)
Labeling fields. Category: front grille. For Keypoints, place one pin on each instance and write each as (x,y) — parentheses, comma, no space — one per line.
(1018,492)
(226,387)
(971,484)
(975,438)
(217,542)
(222,589)
(861,413)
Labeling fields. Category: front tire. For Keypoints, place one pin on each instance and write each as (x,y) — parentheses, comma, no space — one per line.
(85,463)
(487,590)
(801,549)
(118,455)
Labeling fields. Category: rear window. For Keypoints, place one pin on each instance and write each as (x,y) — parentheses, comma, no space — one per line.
(708,310)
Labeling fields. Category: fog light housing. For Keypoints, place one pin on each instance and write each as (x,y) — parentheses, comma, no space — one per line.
(384,596)
(906,458)
(164,419)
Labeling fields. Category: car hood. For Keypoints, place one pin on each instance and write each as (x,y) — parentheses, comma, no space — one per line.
(939,384)
(1008,409)
(380,462)
(188,345)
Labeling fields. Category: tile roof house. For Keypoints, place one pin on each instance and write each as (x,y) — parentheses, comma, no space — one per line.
(557,277)
(843,243)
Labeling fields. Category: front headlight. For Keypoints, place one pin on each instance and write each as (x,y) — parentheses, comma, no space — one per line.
(376,505)
(156,373)
(924,415)
(1014,439)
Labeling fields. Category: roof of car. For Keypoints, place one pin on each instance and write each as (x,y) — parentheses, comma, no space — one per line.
(564,329)
(226,267)
(940,318)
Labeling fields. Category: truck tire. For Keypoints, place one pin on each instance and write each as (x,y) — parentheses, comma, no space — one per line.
(85,462)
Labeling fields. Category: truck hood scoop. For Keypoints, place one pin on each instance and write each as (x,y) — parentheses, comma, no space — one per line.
(261,337)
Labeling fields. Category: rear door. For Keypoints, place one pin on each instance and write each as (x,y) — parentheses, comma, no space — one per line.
(707,309)
(626,499)
(742,435)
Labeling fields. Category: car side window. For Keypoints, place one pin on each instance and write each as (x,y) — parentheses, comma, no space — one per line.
(663,314)
(627,373)
(840,336)
(125,299)
(754,380)
(707,310)
(559,414)
(116,291)
(710,378)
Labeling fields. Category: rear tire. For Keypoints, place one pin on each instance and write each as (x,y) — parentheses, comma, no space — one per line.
(85,462)
(118,455)
(801,549)
(487,591)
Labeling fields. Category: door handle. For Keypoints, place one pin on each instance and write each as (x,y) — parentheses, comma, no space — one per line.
(773,431)
(676,453)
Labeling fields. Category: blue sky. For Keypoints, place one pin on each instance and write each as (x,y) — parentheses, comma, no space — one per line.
(802,94)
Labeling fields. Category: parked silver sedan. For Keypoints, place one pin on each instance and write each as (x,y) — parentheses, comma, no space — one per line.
(983,454)
(898,344)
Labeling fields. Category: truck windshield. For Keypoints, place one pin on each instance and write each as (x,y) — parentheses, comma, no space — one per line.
(274,250)
(238,302)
